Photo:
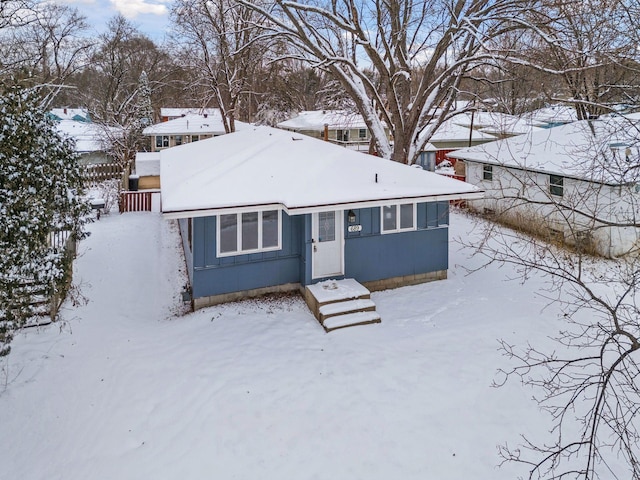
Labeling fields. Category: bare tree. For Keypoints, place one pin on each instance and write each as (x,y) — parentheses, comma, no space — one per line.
(590,382)
(416,55)
(221,46)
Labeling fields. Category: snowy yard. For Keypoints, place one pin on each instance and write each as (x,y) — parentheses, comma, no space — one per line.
(125,387)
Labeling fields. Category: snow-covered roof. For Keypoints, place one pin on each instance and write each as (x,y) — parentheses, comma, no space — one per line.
(317,119)
(147,163)
(603,151)
(88,136)
(450,131)
(554,114)
(263,166)
(192,124)
(494,123)
(174,112)
(78,114)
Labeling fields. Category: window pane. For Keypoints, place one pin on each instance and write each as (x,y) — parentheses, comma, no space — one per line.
(270,229)
(165,141)
(159,142)
(556,184)
(362,133)
(487,172)
(250,231)
(178,139)
(228,233)
(406,215)
(389,218)
(195,138)
(327,226)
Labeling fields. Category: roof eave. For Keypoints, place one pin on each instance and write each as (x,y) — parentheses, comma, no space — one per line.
(306,209)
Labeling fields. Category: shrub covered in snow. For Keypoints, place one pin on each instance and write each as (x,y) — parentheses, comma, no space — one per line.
(40,200)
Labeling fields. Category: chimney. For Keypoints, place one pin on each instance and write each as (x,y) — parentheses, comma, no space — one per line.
(326,132)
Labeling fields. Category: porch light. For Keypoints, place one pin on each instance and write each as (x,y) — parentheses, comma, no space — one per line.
(351,216)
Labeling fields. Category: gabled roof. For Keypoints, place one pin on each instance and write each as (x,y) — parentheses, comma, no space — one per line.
(77,114)
(317,119)
(552,115)
(262,167)
(602,151)
(192,124)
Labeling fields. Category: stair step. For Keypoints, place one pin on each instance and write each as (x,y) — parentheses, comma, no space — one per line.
(351,319)
(340,308)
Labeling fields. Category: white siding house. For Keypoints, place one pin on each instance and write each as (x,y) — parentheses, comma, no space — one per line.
(578,183)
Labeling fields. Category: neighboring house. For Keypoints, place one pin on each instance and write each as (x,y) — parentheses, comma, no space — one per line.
(189,128)
(449,137)
(89,139)
(341,127)
(264,210)
(170,113)
(556,181)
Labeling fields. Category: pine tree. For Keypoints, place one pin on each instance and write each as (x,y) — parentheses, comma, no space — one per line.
(40,194)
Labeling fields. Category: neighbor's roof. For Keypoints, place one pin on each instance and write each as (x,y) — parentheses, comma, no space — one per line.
(78,114)
(603,151)
(263,166)
(317,119)
(192,124)
(553,114)
(181,111)
(450,131)
(495,123)
(88,136)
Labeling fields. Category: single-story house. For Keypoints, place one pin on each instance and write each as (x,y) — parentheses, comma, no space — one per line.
(187,128)
(264,210)
(577,182)
(341,127)
(551,116)
(496,124)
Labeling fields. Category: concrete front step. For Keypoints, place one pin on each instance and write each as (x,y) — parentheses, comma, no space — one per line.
(343,308)
(350,320)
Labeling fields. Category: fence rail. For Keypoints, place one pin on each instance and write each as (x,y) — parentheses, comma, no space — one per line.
(99,172)
(135,201)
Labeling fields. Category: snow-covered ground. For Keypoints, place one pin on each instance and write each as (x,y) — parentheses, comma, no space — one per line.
(126,387)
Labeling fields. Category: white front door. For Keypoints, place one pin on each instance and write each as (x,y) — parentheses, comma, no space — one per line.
(327,244)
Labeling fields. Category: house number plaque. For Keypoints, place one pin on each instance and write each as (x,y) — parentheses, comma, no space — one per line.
(355,228)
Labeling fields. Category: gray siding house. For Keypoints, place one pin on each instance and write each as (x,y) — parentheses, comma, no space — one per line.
(264,210)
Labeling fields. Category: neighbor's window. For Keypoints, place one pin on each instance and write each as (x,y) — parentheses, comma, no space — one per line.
(487,172)
(162,141)
(165,140)
(195,138)
(362,133)
(248,232)
(556,185)
(178,139)
(396,218)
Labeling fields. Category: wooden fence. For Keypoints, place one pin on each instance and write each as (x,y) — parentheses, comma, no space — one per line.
(135,201)
(96,173)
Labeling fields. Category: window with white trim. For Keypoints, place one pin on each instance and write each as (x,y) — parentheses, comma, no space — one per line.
(487,172)
(162,141)
(556,185)
(362,133)
(398,218)
(248,232)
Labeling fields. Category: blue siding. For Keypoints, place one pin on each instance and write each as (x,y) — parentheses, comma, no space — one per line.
(215,276)
(369,256)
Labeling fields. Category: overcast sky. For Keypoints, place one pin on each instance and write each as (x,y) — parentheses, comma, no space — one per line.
(150,16)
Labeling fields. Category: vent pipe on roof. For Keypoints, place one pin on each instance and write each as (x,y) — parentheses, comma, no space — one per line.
(376,178)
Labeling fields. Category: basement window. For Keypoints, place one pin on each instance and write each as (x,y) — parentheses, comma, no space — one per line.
(248,232)
(556,185)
